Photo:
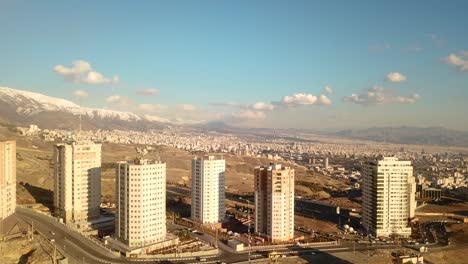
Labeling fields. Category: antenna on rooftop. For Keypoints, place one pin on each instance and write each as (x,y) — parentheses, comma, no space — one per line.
(141,152)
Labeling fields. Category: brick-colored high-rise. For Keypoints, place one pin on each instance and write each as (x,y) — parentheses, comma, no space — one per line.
(274,202)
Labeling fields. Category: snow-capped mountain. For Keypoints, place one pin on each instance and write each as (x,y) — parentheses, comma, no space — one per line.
(23,107)
(30,103)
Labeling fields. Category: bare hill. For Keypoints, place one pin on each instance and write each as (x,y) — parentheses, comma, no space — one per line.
(410,135)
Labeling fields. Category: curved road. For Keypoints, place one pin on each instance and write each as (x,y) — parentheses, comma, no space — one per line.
(77,247)
(82,250)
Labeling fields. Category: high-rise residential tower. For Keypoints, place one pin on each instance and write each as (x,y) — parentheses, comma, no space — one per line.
(140,191)
(412,196)
(77,186)
(388,198)
(274,202)
(7,178)
(208,189)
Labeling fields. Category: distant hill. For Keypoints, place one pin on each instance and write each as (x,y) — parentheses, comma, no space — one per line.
(409,135)
(218,126)
(20,107)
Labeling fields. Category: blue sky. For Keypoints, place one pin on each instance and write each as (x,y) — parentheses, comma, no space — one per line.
(222,57)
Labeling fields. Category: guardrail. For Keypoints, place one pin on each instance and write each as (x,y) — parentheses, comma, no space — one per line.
(303,245)
(206,253)
(449,215)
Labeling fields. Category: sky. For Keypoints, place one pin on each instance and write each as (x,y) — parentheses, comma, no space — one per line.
(321,65)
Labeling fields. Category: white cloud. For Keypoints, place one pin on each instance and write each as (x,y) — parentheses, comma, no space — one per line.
(262,106)
(255,106)
(410,99)
(94,77)
(249,114)
(155,118)
(460,61)
(152,107)
(327,90)
(148,91)
(324,100)
(79,67)
(183,121)
(187,107)
(80,93)
(305,99)
(299,99)
(118,100)
(395,77)
(82,72)
(377,95)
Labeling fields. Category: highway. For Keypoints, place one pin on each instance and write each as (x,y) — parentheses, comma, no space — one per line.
(303,207)
(81,249)
(73,245)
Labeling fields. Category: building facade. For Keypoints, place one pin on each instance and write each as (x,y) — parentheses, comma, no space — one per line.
(77,181)
(388,192)
(7,178)
(208,189)
(140,188)
(274,202)
(412,196)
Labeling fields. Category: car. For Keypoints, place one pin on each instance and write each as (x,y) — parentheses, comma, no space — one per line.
(52,240)
(52,233)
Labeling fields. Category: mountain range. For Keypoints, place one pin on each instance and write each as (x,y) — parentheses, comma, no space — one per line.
(23,108)
(409,135)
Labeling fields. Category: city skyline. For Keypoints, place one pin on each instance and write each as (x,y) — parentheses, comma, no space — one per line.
(266,64)
(233,131)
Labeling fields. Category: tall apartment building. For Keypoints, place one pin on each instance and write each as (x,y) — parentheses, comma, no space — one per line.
(388,191)
(274,202)
(140,188)
(77,186)
(412,196)
(7,178)
(208,189)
